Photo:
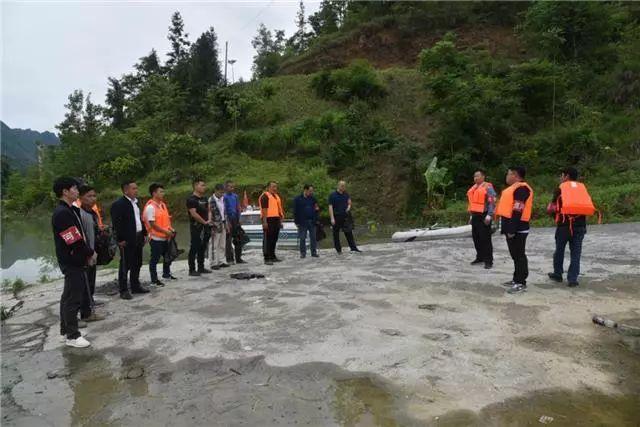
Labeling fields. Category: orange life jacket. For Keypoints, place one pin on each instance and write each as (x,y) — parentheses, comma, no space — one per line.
(274,210)
(95,208)
(163,219)
(575,199)
(505,205)
(476,196)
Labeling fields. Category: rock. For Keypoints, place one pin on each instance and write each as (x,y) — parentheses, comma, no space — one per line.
(62,373)
(134,373)
(391,332)
(428,306)
(436,336)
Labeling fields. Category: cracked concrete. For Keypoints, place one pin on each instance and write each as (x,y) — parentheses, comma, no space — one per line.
(312,346)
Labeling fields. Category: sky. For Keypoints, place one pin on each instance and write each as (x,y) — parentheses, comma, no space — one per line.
(50,48)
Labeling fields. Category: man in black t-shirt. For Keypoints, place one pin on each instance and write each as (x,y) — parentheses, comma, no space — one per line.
(199,227)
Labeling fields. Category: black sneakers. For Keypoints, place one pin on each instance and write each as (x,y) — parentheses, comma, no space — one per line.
(517,288)
(194,273)
(555,277)
(476,261)
(573,284)
(126,295)
(203,271)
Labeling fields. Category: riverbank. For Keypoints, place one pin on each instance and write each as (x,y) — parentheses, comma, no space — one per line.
(402,334)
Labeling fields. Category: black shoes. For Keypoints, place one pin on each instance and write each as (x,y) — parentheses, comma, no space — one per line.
(194,273)
(217,267)
(126,295)
(268,262)
(356,250)
(508,284)
(555,277)
(139,290)
(158,283)
(241,261)
(476,261)
(315,255)
(277,260)
(573,284)
(303,256)
(517,288)
(224,265)
(170,277)
(203,271)
(488,266)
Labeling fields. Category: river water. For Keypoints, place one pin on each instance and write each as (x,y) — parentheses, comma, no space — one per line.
(28,252)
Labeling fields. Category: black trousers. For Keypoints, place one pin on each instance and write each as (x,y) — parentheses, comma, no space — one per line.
(87,301)
(73,294)
(481,234)
(200,236)
(130,263)
(233,246)
(343,222)
(517,246)
(270,238)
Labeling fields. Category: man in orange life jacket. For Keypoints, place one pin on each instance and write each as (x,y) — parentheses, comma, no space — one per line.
(571,202)
(157,221)
(482,204)
(272,215)
(514,208)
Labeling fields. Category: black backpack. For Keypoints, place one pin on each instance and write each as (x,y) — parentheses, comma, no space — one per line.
(106,246)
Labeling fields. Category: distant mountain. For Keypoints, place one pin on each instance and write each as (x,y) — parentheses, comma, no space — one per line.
(19,145)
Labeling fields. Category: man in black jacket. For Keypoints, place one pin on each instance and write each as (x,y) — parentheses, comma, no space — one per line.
(74,256)
(130,235)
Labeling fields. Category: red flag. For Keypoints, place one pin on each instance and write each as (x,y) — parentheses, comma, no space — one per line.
(245,201)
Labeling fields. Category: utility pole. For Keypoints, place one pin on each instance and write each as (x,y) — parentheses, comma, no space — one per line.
(233,78)
(226,50)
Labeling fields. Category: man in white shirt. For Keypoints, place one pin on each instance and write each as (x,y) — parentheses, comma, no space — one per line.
(218,218)
(131,236)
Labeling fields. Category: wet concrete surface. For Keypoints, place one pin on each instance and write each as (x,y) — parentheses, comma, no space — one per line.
(401,335)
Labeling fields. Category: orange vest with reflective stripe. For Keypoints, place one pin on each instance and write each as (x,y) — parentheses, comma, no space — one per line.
(505,205)
(575,199)
(476,196)
(95,208)
(163,219)
(274,210)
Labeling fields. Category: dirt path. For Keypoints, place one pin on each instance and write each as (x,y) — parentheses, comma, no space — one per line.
(342,341)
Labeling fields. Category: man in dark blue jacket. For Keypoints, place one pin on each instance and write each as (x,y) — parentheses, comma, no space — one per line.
(305,215)
(131,236)
(74,256)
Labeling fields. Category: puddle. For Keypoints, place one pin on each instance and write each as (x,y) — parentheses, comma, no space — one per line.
(359,402)
(565,407)
(92,388)
(97,386)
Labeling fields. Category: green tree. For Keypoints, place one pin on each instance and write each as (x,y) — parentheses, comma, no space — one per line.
(329,17)
(204,70)
(115,100)
(179,41)
(269,49)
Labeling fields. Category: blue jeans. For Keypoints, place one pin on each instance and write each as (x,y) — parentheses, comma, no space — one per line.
(563,236)
(158,248)
(310,227)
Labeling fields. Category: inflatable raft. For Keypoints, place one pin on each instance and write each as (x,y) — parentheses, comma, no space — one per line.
(432,233)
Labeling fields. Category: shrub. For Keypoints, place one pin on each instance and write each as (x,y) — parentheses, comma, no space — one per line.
(357,81)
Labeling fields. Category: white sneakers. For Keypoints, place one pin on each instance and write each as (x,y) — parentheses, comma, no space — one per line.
(79,342)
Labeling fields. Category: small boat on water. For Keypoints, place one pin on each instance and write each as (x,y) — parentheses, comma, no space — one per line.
(252,225)
(435,232)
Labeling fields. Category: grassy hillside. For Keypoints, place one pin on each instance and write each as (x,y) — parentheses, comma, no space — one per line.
(373,98)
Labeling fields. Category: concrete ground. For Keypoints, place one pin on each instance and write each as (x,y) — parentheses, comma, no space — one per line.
(343,340)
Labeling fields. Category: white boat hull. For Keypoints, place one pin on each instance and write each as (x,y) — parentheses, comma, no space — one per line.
(426,234)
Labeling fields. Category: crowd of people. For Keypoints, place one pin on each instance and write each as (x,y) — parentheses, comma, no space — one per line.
(214,227)
(570,205)
(81,237)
